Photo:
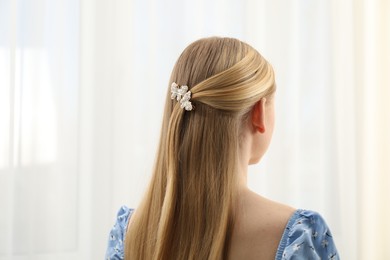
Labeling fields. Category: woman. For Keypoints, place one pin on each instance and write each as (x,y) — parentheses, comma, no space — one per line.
(218,119)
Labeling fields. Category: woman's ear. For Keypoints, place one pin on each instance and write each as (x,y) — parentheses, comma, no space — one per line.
(258,115)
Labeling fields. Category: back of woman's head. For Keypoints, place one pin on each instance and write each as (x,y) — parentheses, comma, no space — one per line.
(188,210)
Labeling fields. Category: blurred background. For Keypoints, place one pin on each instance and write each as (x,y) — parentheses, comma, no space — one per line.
(81,96)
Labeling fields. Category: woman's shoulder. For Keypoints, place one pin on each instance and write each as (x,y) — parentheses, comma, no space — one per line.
(307,235)
(259,225)
(269,230)
(115,249)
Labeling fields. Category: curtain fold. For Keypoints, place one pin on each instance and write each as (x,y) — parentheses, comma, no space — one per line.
(373,126)
(39,120)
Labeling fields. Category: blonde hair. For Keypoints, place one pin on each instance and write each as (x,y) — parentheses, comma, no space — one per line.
(188,209)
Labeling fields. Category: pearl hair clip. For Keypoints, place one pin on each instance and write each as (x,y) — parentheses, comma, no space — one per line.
(183,95)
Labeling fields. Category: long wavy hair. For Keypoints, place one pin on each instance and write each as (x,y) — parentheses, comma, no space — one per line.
(188,210)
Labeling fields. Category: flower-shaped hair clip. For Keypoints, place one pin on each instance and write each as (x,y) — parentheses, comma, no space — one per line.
(183,95)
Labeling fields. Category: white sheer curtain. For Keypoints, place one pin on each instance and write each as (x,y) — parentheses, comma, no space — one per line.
(39,129)
(80,110)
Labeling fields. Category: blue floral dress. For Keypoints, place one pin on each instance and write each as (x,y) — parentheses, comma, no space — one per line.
(306,236)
